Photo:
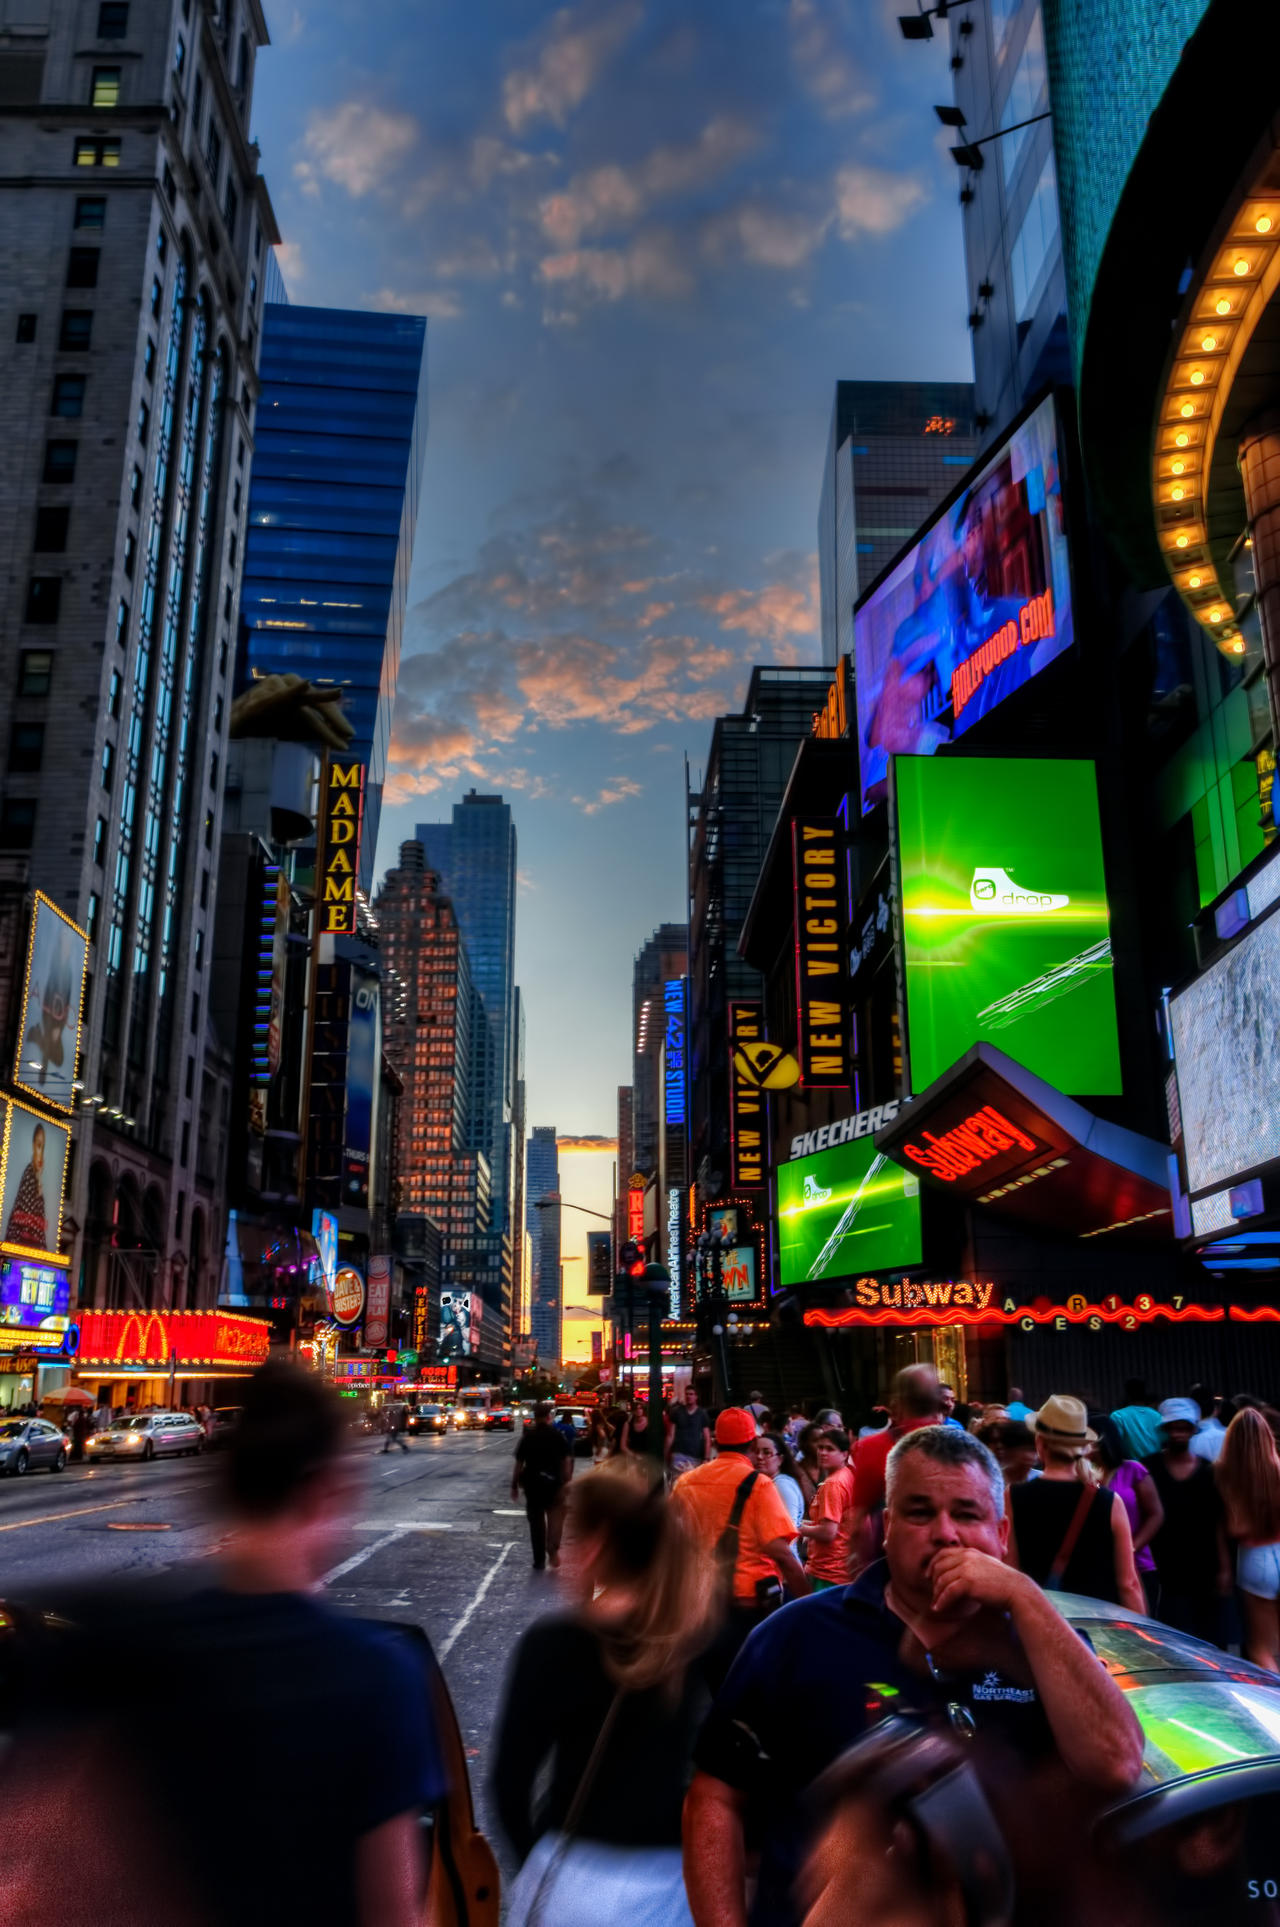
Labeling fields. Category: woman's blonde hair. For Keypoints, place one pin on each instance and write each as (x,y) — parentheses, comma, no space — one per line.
(1248,1474)
(645,1545)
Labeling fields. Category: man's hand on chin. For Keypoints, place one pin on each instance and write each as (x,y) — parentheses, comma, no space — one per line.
(963,1578)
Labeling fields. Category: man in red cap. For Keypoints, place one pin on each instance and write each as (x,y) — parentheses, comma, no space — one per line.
(739,1517)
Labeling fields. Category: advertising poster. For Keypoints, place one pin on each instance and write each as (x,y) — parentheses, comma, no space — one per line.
(845,1212)
(362,1072)
(379,1303)
(49,1030)
(348,1297)
(35,1169)
(980,605)
(324,1229)
(459,1325)
(738,1274)
(32,1295)
(821,918)
(1006,929)
(1226,1038)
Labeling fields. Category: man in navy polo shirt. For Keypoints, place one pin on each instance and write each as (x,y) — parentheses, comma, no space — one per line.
(941,1629)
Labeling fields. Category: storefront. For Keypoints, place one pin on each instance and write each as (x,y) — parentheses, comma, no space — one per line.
(167,1358)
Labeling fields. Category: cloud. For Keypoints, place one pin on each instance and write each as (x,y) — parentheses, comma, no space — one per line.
(438,304)
(781,614)
(655,612)
(289,261)
(614,196)
(768,237)
(822,62)
(618,789)
(587,1143)
(649,265)
(871,201)
(578,45)
(355,145)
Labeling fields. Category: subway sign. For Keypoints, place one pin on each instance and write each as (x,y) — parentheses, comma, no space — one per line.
(821,946)
(341,818)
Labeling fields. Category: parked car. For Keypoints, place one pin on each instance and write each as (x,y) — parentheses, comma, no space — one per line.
(149,1435)
(500,1418)
(428,1418)
(30,1443)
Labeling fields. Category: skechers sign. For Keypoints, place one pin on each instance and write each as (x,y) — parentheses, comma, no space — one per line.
(821,945)
(844,1130)
(343,813)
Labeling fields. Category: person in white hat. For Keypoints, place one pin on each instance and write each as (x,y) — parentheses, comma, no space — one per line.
(1068,1534)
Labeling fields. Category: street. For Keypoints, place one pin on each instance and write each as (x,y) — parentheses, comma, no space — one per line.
(437,1542)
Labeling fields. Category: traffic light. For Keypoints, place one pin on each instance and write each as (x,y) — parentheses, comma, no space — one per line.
(628,1295)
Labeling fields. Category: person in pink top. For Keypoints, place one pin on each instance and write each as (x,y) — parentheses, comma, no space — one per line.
(1135,1488)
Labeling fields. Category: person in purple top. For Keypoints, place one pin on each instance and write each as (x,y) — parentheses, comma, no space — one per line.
(1135,1488)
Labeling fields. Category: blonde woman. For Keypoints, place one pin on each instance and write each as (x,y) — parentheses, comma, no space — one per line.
(1248,1475)
(1067,1533)
(608,1696)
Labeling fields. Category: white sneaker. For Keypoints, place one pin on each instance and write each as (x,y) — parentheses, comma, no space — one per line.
(995,894)
(813,1191)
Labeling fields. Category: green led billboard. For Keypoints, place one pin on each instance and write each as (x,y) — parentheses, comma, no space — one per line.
(844,1212)
(1006,931)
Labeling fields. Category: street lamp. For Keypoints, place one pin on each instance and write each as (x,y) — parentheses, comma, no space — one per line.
(711,1247)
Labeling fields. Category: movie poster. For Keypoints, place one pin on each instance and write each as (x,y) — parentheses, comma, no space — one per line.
(49,1031)
(35,1167)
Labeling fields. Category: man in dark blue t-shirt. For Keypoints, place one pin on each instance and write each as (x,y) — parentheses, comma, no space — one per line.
(940,1629)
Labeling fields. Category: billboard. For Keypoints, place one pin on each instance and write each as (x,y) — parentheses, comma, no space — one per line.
(31,1187)
(31,1294)
(844,1212)
(324,1229)
(460,1315)
(379,1303)
(341,818)
(348,1297)
(599,1263)
(977,607)
(673,999)
(363,1038)
(53,990)
(1226,1043)
(821,919)
(747,1103)
(1006,930)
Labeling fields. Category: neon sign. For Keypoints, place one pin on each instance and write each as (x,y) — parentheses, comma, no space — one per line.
(674,1001)
(821,941)
(746,1099)
(1033,622)
(912,1301)
(343,814)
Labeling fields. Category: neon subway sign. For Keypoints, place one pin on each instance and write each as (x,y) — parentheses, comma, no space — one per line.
(961,1301)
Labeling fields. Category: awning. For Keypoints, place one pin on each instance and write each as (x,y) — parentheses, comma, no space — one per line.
(990,1133)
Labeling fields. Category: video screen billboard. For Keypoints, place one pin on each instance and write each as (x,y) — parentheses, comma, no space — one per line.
(1226,1044)
(34,1178)
(460,1313)
(1006,929)
(980,605)
(845,1212)
(49,1027)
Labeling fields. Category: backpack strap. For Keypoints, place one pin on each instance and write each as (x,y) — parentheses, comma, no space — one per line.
(1062,1558)
(728,1542)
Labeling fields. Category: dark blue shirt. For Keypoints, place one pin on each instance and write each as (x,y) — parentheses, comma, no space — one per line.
(809,1682)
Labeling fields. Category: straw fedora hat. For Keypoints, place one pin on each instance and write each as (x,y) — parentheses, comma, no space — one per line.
(1063,1423)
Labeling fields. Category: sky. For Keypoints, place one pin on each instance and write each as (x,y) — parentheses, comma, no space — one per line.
(649,238)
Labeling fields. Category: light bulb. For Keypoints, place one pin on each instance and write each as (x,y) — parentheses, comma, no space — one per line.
(1223,305)
(1188,408)
(1263,224)
(1242,266)
(1209,343)
(1181,438)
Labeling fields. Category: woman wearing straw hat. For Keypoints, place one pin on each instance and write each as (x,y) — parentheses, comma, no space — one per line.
(1067,1534)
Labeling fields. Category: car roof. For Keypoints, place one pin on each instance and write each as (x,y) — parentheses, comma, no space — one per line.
(1210,1721)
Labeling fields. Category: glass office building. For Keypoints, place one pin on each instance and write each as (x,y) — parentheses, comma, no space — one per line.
(333,507)
(543,1225)
(896,448)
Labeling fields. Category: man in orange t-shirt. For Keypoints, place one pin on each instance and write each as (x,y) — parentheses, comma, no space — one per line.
(705,1499)
(830,1519)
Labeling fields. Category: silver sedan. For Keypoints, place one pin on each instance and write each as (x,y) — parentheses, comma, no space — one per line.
(149,1435)
(26,1443)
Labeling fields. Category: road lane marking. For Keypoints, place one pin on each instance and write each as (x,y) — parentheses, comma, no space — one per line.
(78,1512)
(508,1512)
(358,1558)
(480,1592)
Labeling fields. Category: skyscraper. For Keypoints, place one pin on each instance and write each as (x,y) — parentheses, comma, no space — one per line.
(896,448)
(545,1309)
(663,959)
(474,855)
(136,231)
(333,508)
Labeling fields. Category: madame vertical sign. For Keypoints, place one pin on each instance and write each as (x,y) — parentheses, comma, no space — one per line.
(340,862)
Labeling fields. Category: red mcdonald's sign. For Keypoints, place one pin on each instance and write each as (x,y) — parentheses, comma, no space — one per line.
(219,1339)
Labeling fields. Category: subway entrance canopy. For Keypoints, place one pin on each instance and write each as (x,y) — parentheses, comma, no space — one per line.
(990,1133)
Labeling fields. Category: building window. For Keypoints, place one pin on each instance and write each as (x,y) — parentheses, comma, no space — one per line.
(231,209)
(51,530)
(204,889)
(113,693)
(97,153)
(44,598)
(242,64)
(208,829)
(113,19)
(130,554)
(185,1154)
(195,1023)
(149,359)
(99,840)
(26,330)
(197,102)
(91,211)
(82,267)
(26,748)
(91,921)
(122,625)
(35,672)
(170,185)
(179,56)
(157,298)
(144,422)
(108,766)
(60,461)
(135,489)
(17,822)
(1034,242)
(191,1075)
(76,332)
(104,88)
(162,244)
(199,950)
(213,152)
(68,396)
